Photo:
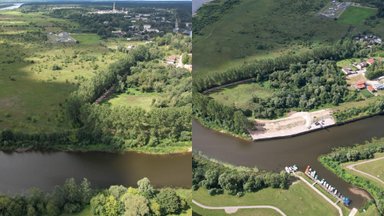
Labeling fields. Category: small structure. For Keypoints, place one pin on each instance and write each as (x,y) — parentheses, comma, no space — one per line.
(360,85)
(371,89)
(371,61)
(62,37)
(172,60)
(348,71)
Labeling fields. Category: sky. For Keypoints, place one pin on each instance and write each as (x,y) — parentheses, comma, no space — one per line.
(6,1)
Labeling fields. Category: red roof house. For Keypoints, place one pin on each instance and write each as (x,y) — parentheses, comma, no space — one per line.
(360,84)
(371,61)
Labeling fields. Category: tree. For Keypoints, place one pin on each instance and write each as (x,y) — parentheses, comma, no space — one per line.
(135,205)
(145,188)
(169,202)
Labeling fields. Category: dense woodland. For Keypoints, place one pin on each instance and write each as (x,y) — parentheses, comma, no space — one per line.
(218,178)
(334,160)
(73,197)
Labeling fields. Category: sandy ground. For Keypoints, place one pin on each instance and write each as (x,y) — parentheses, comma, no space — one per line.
(294,124)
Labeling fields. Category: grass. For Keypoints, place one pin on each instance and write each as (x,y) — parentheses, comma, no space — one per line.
(374,168)
(32,93)
(366,93)
(356,15)
(87,39)
(241,95)
(287,200)
(142,100)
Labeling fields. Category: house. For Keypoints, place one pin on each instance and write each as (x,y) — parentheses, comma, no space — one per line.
(371,61)
(361,65)
(371,89)
(360,85)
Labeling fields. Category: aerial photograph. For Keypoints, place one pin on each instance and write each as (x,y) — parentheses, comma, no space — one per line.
(95,108)
(287,105)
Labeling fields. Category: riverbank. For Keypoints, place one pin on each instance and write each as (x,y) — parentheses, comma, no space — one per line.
(166,150)
(339,161)
(294,124)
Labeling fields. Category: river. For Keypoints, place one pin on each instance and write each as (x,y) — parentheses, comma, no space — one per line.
(21,171)
(11,6)
(302,150)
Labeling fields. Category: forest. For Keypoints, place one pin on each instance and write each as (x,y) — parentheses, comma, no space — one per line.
(217,178)
(73,197)
(304,81)
(333,161)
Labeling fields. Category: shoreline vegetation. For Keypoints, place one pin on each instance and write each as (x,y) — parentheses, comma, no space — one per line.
(74,198)
(334,162)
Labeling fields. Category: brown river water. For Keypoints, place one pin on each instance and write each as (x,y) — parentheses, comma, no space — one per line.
(302,150)
(21,171)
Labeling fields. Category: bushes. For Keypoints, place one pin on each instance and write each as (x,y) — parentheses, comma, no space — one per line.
(118,200)
(334,160)
(69,198)
(217,178)
(356,112)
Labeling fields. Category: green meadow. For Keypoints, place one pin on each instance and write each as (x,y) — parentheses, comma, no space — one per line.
(36,76)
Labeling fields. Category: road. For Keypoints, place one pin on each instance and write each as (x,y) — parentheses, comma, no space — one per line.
(233,209)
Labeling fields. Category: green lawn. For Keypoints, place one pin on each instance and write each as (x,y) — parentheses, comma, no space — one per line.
(241,95)
(375,168)
(356,15)
(142,100)
(287,200)
(87,39)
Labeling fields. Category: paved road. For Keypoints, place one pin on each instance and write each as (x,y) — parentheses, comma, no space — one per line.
(320,193)
(233,209)
(352,167)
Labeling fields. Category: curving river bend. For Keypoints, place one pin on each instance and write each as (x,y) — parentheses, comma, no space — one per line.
(21,171)
(302,150)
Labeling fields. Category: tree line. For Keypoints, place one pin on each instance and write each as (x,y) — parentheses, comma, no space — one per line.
(69,198)
(217,178)
(261,69)
(374,108)
(338,156)
(217,115)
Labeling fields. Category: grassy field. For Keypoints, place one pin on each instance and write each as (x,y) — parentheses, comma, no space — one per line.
(36,77)
(375,168)
(241,95)
(287,200)
(264,28)
(356,15)
(134,99)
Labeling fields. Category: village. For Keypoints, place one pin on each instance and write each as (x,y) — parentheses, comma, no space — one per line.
(356,70)
(145,25)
